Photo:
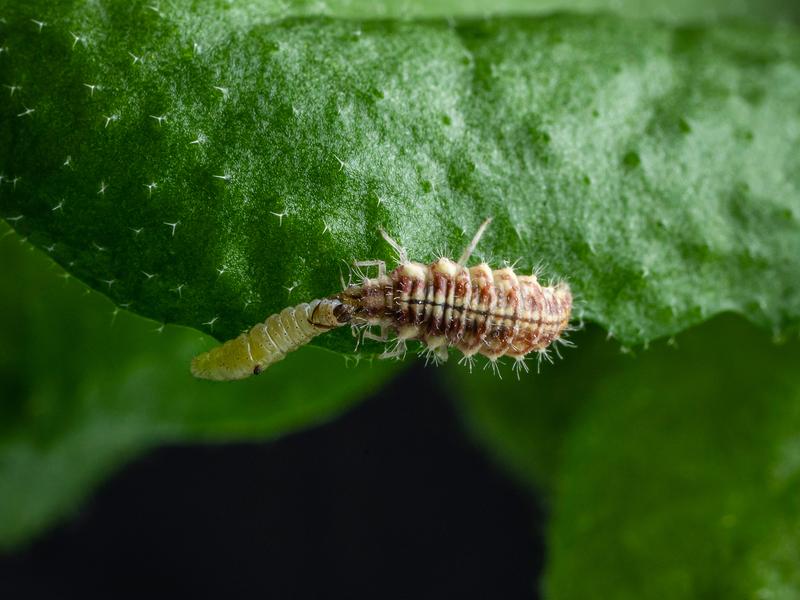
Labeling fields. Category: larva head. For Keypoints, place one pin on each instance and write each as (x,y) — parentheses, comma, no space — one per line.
(364,300)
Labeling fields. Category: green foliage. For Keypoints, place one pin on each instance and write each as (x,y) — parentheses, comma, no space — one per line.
(672,474)
(85,387)
(652,166)
(674,10)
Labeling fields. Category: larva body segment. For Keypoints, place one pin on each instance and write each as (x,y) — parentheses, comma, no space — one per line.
(476,309)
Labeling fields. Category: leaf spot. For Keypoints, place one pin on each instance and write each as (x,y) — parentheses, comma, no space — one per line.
(631,160)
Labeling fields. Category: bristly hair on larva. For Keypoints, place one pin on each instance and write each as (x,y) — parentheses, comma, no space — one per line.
(478,310)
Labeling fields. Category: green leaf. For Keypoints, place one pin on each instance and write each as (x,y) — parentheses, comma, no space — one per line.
(672,474)
(674,10)
(653,166)
(86,387)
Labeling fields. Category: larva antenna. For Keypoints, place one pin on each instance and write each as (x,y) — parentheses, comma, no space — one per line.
(474,243)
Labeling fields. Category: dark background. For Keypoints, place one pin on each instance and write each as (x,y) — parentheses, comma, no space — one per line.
(389,501)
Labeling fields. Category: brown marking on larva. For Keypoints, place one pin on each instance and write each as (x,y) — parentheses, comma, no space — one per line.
(257,370)
(373,299)
(402,294)
(461,301)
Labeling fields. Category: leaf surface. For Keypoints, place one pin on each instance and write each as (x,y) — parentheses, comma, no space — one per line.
(208,166)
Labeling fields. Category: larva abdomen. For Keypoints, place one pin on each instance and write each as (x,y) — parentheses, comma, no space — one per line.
(478,310)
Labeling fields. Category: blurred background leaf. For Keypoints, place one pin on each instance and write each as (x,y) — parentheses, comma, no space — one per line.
(86,386)
(674,473)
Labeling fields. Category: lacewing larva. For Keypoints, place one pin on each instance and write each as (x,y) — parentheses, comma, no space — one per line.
(475,309)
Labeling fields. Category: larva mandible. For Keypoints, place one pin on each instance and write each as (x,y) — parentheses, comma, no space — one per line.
(478,310)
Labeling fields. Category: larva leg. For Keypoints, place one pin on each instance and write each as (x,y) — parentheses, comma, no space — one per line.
(402,255)
(372,263)
(358,333)
(397,351)
(383,337)
(474,243)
